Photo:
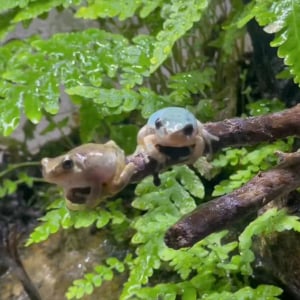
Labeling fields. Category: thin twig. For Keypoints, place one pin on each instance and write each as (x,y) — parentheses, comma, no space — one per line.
(13,167)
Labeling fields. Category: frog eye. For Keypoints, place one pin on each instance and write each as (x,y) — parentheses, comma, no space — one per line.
(158,123)
(67,164)
(188,129)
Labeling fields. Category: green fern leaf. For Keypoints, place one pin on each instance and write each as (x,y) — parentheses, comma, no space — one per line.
(190,182)
(5,22)
(114,8)
(109,8)
(289,40)
(282,18)
(91,57)
(15,11)
(111,101)
(272,14)
(90,281)
(262,292)
(59,217)
(251,162)
(168,291)
(234,28)
(149,6)
(180,17)
(152,102)
(141,268)
(6,5)
(270,221)
(163,207)
(10,117)
(187,83)
(51,222)
(38,7)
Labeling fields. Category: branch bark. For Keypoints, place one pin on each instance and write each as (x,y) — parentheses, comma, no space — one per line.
(251,131)
(231,133)
(223,212)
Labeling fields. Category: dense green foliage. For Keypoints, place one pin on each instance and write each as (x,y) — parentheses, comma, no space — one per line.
(147,55)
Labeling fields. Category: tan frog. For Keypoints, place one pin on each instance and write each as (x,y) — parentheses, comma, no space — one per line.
(89,173)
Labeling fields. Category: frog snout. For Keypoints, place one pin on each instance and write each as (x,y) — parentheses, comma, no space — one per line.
(44,163)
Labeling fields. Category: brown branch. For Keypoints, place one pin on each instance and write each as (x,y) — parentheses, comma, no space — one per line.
(10,258)
(225,211)
(234,132)
(251,131)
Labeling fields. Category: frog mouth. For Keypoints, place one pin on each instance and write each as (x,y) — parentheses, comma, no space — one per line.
(176,153)
(78,195)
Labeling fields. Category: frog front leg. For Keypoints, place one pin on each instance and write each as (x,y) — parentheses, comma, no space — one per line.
(122,180)
(207,137)
(197,151)
(100,191)
(149,144)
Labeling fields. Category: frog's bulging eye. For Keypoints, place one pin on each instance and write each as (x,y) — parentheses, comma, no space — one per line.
(188,129)
(67,164)
(158,123)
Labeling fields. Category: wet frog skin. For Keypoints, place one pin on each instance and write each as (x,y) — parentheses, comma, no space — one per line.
(89,173)
(174,127)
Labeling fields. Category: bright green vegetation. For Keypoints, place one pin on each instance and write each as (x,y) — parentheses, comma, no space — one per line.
(150,54)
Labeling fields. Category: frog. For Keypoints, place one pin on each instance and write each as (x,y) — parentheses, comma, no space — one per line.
(174,127)
(89,173)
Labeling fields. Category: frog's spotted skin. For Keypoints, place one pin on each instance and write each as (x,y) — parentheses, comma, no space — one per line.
(173,127)
(89,173)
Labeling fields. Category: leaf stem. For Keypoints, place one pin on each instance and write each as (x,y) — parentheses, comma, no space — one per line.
(20,165)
